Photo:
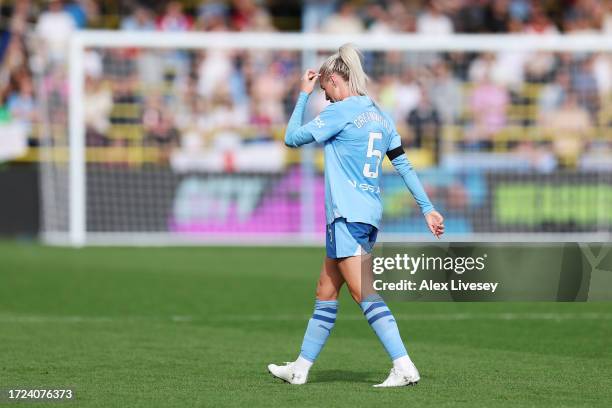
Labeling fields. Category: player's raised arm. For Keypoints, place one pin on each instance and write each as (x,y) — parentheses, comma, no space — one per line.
(400,161)
(325,126)
(295,134)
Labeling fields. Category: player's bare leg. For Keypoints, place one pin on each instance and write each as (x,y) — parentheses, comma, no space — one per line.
(357,273)
(319,326)
(330,280)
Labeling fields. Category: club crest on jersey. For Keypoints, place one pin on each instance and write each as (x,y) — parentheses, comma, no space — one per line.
(319,122)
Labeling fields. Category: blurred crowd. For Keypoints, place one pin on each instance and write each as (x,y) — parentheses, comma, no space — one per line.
(481,102)
(459,16)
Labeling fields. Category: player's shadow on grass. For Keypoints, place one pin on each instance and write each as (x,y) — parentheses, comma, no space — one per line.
(340,376)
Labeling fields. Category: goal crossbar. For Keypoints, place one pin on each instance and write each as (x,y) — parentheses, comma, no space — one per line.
(305,42)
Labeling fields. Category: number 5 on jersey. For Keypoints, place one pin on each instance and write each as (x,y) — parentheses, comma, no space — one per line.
(373,153)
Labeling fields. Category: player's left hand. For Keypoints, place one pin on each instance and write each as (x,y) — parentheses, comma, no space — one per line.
(435,222)
(308,80)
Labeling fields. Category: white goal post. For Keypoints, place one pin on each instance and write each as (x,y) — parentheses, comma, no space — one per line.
(76,231)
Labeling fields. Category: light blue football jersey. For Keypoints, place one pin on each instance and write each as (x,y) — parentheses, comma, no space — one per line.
(356,136)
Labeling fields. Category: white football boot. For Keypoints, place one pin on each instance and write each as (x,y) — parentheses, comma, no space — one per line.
(288,373)
(400,378)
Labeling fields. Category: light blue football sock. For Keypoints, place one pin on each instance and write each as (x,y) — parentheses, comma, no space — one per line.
(318,329)
(382,322)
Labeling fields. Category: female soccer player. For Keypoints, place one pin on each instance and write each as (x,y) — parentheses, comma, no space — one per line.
(355,134)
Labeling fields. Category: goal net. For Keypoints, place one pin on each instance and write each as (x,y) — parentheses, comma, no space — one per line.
(175,138)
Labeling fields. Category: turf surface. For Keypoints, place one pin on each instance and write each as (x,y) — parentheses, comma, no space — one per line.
(179,327)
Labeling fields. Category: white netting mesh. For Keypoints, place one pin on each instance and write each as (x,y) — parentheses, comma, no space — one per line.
(187,141)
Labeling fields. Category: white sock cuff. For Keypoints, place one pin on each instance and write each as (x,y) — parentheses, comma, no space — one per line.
(302,364)
(403,363)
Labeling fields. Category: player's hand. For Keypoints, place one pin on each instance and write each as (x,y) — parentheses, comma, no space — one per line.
(435,222)
(308,81)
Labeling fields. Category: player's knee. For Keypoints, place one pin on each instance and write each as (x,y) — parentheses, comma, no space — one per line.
(355,293)
(326,291)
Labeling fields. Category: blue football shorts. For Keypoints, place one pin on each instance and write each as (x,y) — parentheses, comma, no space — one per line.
(344,239)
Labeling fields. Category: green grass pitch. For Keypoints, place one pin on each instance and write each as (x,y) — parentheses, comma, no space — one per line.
(179,327)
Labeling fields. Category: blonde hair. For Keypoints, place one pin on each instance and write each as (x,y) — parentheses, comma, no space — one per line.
(347,63)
